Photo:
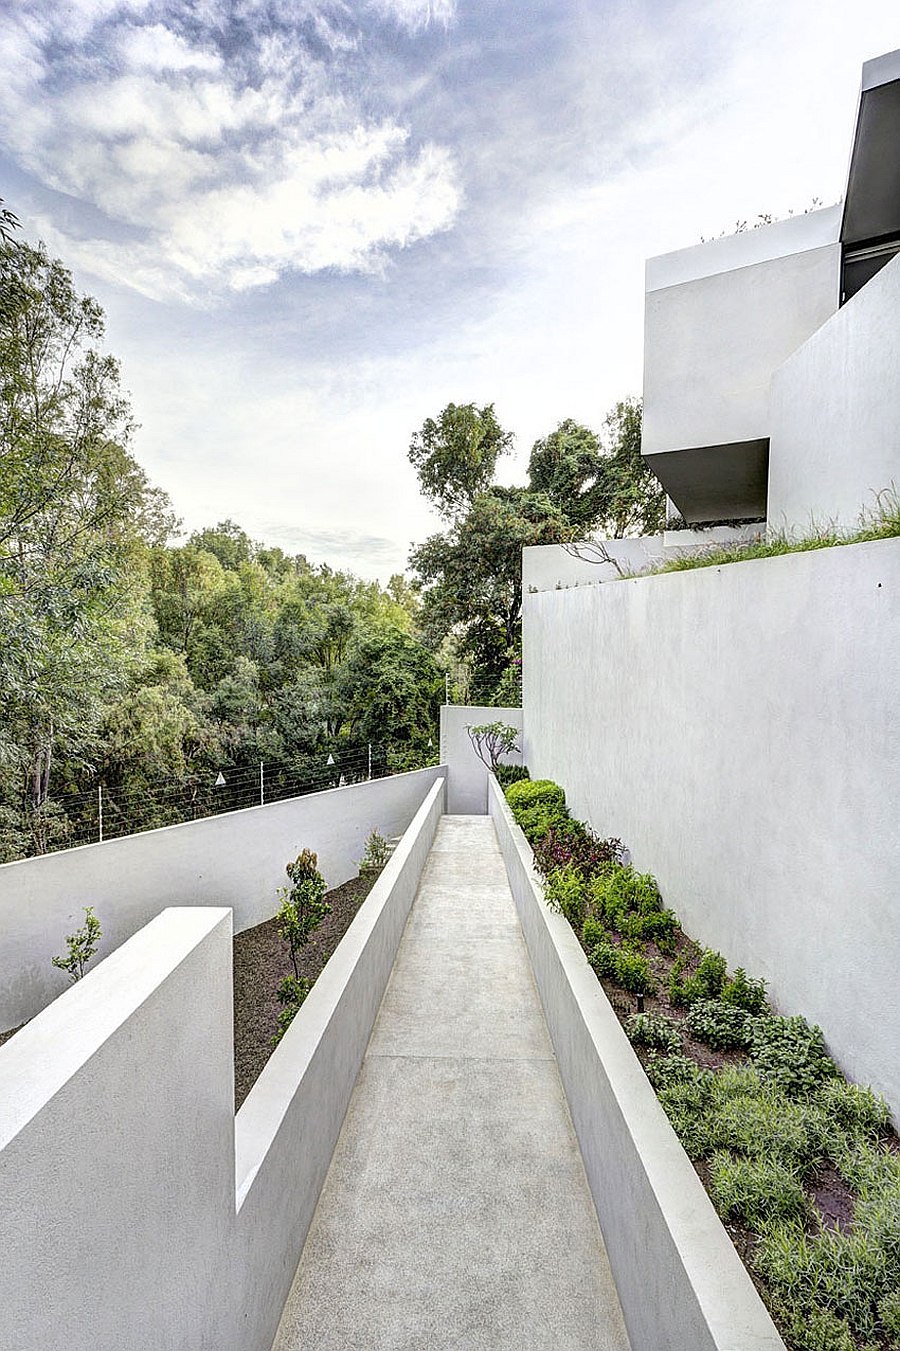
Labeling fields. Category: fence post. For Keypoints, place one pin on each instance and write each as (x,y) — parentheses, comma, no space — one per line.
(100,810)
(370,759)
(262,786)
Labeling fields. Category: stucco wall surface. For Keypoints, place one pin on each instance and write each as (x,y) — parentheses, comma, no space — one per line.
(679,1279)
(712,344)
(235,860)
(137,1210)
(736,726)
(835,439)
(546,567)
(466,775)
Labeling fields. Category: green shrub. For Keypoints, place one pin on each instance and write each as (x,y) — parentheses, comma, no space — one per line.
(856,1109)
(509,774)
(707,982)
(604,958)
(593,932)
(685,1104)
(81,945)
(745,993)
(291,993)
(565,892)
(530,792)
(653,1030)
(376,854)
(790,1052)
(768,1125)
(666,1070)
(302,905)
(633,973)
(618,890)
(539,820)
(754,1190)
(720,1025)
(889,1313)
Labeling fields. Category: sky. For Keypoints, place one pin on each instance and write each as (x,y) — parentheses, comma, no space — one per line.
(314,223)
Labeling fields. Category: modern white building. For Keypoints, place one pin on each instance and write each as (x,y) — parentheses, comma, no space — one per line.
(770,384)
(736,725)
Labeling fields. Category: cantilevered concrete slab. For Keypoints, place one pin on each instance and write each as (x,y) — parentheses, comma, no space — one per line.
(456,1213)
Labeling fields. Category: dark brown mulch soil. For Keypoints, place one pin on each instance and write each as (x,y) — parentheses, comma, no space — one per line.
(832,1198)
(261,962)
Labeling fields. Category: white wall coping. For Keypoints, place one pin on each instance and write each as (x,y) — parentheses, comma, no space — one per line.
(765,244)
(680,1282)
(45,1054)
(282,1079)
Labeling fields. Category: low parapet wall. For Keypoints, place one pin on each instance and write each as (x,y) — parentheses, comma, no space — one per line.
(137,1210)
(236,859)
(680,1282)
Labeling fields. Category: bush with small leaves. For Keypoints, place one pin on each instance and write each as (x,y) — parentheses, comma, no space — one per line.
(592,933)
(754,1190)
(534,792)
(665,1070)
(653,1030)
(538,820)
(720,1025)
(745,992)
(618,891)
(790,1052)
(889,1313)
(706,982)
(573,842)
(565,892)
(855,1108)
(633,972)
(302,905)
(813,1329)
(604,958)
(686,1105)
(509,774)
(82,945)
(376,854)
(291,993)
(769,1125)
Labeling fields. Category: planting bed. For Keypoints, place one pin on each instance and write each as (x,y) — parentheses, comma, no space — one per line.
(262,961)
(802,1167)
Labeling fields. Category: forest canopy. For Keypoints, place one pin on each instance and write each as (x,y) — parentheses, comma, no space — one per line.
(153,668)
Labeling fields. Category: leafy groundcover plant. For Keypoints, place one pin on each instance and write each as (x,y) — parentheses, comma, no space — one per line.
(802,1166)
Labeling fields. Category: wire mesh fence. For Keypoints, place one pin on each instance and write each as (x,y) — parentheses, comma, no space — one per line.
(107,811)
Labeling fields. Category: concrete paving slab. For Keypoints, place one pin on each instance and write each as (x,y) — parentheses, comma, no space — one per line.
(456,1215)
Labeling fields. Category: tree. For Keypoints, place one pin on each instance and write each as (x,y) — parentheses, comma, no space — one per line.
(637,500)
(456,454)
(600,484)
(390,689)
(76,517)
(472,577)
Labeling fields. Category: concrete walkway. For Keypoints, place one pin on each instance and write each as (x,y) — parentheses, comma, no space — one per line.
(456,1215)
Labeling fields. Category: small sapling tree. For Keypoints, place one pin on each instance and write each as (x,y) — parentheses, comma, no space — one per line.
(376,855)
(303,908)
(82,945)
(491,740)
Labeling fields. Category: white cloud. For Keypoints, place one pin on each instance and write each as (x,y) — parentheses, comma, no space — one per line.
(155,47)
(230,173)
(416,14)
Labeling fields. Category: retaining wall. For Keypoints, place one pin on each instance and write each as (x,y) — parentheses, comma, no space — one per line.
(737,727)
(236,859)
(466,775)
(680,1282)
(137,1210)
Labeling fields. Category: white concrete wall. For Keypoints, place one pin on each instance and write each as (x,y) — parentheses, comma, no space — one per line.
(466,775)
(737,727)
(680,1282)
(236,859)
(137,1210)
(547,567)
(835,437)
(712,343)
